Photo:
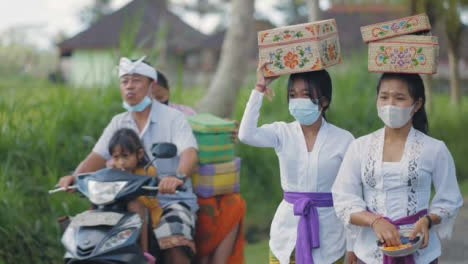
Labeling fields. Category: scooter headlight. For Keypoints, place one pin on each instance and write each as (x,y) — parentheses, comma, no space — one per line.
(104,192)
(68,240)
(116,240)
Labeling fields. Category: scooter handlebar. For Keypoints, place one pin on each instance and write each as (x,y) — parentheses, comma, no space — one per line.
(181,188)
(62,189)
(156,188)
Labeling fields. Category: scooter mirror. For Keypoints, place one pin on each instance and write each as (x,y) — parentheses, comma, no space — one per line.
(164,150)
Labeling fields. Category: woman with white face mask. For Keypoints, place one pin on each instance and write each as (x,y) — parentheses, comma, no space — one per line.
(384,182)
(310,151)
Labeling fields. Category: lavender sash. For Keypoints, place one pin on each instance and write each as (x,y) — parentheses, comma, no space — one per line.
(305,205)
(397,223)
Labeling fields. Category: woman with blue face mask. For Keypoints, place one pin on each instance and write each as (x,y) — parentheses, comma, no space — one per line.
(305,228)
(384,183)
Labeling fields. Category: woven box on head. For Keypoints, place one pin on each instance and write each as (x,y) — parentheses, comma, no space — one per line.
(397,27)
(393,49)
(405,54)
(217,179)
(299,48)
(213,136)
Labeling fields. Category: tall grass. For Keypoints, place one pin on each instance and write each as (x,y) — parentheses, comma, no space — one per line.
(46,130)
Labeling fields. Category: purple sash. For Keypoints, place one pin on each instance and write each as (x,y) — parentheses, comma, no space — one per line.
(397,223)
(305,205)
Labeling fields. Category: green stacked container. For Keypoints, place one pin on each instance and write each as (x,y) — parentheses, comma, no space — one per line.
(213,137)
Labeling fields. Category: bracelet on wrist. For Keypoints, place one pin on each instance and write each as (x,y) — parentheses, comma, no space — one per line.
(429,221)
(262,86)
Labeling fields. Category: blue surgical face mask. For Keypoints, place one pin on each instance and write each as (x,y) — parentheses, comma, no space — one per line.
(138,107)
(304,111)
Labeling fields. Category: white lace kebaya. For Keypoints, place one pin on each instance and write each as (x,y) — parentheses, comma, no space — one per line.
(397,189)
(300,171)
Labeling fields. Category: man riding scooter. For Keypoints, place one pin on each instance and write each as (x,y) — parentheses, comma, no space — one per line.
(154,123)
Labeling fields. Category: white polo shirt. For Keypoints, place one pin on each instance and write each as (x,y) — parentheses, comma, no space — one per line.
(165,125)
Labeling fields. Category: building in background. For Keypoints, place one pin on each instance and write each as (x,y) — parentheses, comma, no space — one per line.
(90,57)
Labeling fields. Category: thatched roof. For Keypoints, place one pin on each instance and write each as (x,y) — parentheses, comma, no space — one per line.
(106,33)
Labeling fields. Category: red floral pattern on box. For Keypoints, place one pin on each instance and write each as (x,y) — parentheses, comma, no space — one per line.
(263,36)
(329,50)
(291,60)
(297,58)
(317,64)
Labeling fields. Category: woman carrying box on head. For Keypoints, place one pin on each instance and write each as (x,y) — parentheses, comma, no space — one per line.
(384,183)
(386,176)
(309,151)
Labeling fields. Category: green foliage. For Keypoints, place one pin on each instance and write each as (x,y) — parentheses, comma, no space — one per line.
(448,123)
(257,253)
(46,130)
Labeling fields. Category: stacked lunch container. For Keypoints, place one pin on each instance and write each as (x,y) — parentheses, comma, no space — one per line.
(218,169)
(403,45)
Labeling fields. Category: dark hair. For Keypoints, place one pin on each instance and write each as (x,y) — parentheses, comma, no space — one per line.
(416,91)
(319,81)
(128,140)
(162,80)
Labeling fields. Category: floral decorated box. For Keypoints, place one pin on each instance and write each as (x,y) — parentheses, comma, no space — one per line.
(397,27)
(299,48)
(404,54)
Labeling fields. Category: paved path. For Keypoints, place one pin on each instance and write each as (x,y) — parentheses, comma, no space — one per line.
(455,250)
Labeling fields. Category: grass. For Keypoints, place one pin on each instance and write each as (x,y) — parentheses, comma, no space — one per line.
(257,253)
(464,188)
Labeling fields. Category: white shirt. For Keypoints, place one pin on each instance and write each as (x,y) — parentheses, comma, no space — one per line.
(164,125)
(300,171)
(397,189)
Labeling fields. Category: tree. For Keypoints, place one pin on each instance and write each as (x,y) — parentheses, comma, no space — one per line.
(313,10)
(93,12)
(432,10)
(447,12)
(453,29)
(295,11)
(203,8)
(232,66)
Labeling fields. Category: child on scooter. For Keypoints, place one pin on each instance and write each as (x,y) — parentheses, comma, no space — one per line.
(127,154)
